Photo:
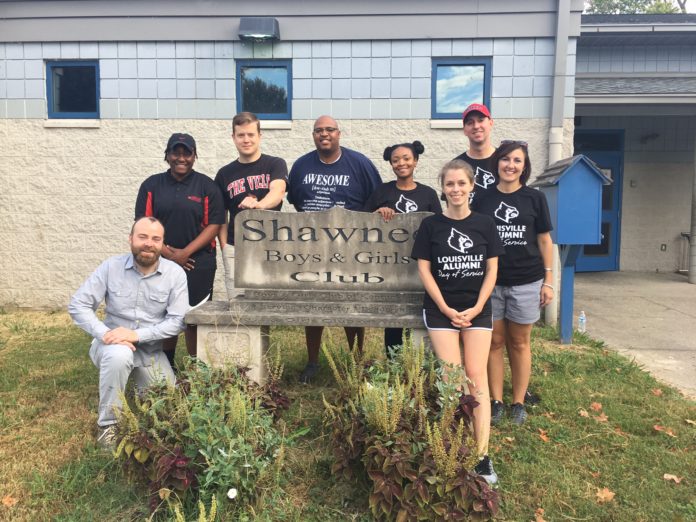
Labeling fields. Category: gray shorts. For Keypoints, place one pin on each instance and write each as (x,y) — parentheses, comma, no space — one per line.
(519,304)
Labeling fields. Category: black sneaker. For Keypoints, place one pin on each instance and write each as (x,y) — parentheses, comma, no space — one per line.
(309,372)
(485,470)
(497,412)
(518,414)
(531,398)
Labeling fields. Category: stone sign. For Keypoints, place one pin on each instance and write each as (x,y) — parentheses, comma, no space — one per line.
(336,249)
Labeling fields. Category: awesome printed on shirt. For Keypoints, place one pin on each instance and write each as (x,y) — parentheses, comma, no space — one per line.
(348,182)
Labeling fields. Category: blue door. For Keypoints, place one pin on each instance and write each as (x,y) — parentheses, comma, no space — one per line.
(605,148)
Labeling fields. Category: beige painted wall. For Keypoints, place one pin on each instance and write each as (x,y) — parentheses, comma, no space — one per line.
(655,196)
(68,193)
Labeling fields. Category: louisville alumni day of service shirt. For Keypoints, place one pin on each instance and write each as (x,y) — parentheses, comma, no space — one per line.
(519,217)
(420,199)
(458,250)
(348,182)
(485,175)
(239,180)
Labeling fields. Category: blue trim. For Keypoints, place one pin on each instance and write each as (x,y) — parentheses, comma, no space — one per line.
(49,88)
(612,261)
(287,64)
(487,71)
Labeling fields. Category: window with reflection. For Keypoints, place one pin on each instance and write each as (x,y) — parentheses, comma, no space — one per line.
(457,83)
(264,87)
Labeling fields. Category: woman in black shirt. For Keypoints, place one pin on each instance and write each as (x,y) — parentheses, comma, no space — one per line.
(524,274)
(457,253)
(402,196)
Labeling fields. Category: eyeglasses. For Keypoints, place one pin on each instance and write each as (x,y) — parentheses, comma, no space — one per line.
(322,130)
(514,142)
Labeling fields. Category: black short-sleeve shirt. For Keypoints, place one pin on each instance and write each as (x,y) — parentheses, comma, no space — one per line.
(485,174)
(185,208)
(420,199)
(239,180)
(519,217)
(457,251)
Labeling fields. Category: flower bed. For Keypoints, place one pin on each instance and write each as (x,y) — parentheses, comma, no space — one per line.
(212,440)
(405,429)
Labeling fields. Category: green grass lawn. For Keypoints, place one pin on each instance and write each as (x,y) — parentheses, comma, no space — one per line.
(604,427)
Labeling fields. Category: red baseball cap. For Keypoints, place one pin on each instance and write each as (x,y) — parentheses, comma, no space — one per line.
(476,107)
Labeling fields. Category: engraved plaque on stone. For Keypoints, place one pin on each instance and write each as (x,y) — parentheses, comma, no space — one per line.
(336,249)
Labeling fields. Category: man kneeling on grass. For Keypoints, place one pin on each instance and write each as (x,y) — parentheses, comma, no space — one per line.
(146,299)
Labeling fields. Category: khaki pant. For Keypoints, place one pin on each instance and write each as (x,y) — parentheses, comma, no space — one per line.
(115,363)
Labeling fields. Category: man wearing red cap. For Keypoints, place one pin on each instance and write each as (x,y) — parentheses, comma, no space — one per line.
(478,125)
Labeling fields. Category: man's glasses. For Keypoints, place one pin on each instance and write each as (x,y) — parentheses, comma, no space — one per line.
(514,142)
(322,130)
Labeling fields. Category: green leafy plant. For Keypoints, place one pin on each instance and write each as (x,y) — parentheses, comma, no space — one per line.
(214,434)
(403,425)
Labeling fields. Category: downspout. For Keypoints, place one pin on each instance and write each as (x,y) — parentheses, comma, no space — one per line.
(556,131)
(692,239)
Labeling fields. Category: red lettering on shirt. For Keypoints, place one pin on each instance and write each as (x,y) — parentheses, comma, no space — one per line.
(195,198)
(260,181)
(236,187)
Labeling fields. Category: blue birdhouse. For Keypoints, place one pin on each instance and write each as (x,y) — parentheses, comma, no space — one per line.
(573,189)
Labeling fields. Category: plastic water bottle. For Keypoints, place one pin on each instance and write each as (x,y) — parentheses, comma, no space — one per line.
(582,322)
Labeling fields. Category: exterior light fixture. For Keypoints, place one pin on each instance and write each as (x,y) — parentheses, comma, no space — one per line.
(258,28)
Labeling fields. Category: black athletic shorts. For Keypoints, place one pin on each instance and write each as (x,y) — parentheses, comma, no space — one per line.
(436,320)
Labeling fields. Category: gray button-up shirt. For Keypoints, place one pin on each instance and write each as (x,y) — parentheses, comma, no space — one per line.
(153,305)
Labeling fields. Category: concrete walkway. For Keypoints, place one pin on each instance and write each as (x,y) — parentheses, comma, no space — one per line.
(647,316)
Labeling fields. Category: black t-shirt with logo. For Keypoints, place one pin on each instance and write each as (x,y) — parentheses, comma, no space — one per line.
(519,217)
(420,199)
(485,174)
(457,250)
(185,208)
(239,180)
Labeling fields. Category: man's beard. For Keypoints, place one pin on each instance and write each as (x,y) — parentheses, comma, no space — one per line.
(145,261)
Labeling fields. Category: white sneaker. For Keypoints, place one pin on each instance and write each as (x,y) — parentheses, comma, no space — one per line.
(485,470)
(107,437)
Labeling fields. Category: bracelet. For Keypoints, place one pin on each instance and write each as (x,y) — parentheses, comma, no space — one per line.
(550,286)
(548,269)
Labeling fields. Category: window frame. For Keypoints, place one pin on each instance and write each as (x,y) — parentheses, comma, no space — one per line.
(485,61)
(250,62)
(50,65)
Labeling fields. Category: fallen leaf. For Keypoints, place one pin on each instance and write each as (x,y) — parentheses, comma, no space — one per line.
(596,474)
(668,476)
(618,370)
(548,414)
(689,421)
(596,406)
(9,501)
(539,515)
(543,435)
(621,432)
(583,413)
(602,417)
(605,495)
(666,431)
(509,439)
(657,392)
